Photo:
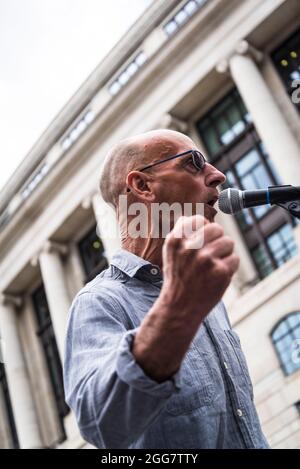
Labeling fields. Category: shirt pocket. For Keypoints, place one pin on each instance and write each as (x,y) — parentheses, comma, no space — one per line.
(240,366)
(197,384)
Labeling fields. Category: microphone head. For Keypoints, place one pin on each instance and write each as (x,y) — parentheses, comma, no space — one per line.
(230,201)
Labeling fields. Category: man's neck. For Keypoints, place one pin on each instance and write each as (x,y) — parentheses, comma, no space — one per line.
(149,249)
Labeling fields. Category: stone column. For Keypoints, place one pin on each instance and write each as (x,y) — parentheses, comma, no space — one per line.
(17,376)
(273,129)
(54,281)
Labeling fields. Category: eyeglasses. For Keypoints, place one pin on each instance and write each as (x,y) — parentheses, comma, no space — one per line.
(198,160)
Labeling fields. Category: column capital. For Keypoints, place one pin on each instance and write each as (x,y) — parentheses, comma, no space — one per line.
(87,201)
(13,300)
(167,121)
(49,247)
(53,246)
(245,48)
(242,47)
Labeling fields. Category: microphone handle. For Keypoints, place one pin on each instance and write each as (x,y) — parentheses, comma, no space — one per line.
(272,195)
(285,193)
(255,198)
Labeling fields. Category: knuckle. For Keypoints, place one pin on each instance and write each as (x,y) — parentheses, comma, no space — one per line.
(229,242)
(233,264)
(206,258)
(224,270)
(172,241)
(181,220)
(218,229)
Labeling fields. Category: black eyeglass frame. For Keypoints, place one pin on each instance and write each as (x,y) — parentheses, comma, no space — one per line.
(193,152)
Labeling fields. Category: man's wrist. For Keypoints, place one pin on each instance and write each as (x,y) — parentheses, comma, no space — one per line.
(163,339)
(181,306)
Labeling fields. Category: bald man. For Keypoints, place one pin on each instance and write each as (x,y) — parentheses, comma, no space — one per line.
(151,358)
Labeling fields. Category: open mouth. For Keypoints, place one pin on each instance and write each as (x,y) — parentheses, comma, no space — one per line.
(212,202)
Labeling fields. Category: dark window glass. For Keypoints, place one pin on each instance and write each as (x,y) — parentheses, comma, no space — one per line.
(282,246)
(46,335)
(235,148)
(8,407)
(92,254)
(286,339)
(224,124)
(287,62)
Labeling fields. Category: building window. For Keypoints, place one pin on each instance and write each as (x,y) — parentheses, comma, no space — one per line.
(127,73)
(8,408)
(92,254)
(235,148)
(46,335)
(286,339)
(282,247)
(182,16)
(77,129)
(287,62)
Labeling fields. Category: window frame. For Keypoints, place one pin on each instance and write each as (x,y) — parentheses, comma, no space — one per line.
(277,55)
(9,408)
(274,342)
(226,159)
(46,336)
(103,262)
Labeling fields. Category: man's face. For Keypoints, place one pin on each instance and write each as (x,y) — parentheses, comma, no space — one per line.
(179,181)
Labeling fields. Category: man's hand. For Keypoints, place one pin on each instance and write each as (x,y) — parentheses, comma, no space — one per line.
(194,282)
(196,279)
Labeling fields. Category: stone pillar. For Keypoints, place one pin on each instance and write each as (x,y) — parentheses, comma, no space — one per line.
(55,284)
(17,376)
(273,129)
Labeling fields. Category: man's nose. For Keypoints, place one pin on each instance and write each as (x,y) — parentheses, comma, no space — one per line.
(213,177)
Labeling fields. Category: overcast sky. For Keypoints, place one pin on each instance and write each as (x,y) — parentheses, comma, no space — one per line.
(47,49)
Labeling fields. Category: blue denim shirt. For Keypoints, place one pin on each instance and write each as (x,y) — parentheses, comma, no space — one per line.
(208,403)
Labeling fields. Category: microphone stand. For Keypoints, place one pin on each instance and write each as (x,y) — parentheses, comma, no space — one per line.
(293,207)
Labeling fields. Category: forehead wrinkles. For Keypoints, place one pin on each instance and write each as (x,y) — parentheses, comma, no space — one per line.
(159,149)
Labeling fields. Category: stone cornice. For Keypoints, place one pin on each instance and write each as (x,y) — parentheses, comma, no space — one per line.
(130,41)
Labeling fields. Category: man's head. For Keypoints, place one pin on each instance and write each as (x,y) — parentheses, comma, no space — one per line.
(176,180)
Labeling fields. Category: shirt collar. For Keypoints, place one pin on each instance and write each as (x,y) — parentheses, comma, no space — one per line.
(135,266)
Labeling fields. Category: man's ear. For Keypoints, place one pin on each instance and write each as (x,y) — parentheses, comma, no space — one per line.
(141,185)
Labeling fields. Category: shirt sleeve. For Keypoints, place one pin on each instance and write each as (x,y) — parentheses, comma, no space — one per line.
(114,401)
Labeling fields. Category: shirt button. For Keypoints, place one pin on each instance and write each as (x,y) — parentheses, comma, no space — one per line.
(239,412)
(226,366)
(154,271)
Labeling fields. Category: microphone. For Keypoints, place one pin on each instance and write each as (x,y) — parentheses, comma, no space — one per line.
(233,200)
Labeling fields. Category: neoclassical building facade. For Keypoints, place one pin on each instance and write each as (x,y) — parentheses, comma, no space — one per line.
(224,72)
